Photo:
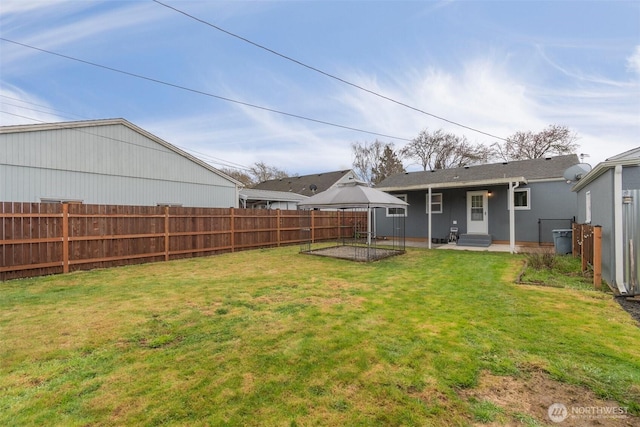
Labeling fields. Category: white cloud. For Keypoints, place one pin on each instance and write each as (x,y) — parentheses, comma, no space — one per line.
(633,61)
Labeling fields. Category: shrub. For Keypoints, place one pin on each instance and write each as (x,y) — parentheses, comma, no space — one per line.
(543,258)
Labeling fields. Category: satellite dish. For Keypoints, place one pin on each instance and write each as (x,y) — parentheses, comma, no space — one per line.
(313,188)
(576,172)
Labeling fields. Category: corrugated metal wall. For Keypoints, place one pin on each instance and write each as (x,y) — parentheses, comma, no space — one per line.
(107,164)
(631,239)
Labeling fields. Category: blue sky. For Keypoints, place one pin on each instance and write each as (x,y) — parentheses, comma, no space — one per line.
(495,66)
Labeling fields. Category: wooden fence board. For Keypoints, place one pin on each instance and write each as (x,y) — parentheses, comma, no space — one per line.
(39,239)
(587,244)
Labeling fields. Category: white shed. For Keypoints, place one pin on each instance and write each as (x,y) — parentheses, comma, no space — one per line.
(110,162)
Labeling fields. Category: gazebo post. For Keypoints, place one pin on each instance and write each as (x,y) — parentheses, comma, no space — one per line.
(368,225)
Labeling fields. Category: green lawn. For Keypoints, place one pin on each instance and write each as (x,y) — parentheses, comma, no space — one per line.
(273,337)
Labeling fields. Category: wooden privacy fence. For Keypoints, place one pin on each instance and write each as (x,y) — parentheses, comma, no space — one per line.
(39,238)
(587,244)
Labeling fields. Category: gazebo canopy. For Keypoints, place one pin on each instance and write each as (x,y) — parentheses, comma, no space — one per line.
(350,196)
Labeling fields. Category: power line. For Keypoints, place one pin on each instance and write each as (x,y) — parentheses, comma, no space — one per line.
(37,105)
(222,162)
(200,92)
(211,159)
(317,70)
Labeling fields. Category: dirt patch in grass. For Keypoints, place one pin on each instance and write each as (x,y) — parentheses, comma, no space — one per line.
(631,307)
(526,401)
(355,253)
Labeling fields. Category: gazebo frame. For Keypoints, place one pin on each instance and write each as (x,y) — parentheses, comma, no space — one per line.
(357,207)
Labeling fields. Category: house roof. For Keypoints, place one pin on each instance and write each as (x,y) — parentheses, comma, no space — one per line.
(352,195)
(634,153)
(303,184)
(488,174)
(111,122)
(272,196)
(628,158)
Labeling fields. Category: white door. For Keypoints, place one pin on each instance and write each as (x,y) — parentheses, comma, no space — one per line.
(477,212)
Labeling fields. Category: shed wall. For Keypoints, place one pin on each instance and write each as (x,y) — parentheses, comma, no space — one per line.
(602,214)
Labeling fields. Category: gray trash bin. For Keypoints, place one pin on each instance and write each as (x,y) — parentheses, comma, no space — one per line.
(562,241)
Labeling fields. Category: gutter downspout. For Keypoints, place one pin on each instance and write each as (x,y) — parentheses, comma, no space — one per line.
(618,245)
(429,217)
(512,217)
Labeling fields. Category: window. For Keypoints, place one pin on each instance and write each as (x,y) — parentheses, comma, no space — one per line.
(55,200)
(398,211)
(522,199)
(436,203)
(587,212)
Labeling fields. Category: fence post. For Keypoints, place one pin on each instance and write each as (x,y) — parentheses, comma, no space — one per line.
(65,237)
(583,254)
(278,227)
(597,257)
(166,233)
(232,229)
(313,227)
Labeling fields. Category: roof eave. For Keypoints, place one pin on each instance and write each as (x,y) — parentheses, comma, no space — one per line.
(600,169)
(457,184)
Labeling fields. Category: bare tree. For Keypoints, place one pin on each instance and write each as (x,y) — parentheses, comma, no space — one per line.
(387,164)
(365,157)
(554,140)
(425,147)
(239,175)
(257,173)
(440,150)
(260,171)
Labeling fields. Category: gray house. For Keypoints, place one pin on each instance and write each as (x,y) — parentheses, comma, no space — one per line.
(609,196)
(509,202)
(105,162)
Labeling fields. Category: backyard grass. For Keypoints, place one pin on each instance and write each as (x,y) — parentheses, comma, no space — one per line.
(273,337)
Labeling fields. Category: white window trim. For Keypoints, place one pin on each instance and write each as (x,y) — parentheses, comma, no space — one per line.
(441,203)
(401,197)
(587,212)
(522,208)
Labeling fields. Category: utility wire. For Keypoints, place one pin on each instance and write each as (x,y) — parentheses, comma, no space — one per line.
(212,159)
(200,92)
(37,105)
(218,161)
(317,70)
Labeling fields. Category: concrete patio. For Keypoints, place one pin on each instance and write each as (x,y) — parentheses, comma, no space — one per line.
(491,248)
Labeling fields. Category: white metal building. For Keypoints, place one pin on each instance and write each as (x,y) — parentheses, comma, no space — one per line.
(105,162)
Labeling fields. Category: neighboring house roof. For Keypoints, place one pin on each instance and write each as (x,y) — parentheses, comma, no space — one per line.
(488,174)
(307,185)
(110,122)
(628,158)
(271,196)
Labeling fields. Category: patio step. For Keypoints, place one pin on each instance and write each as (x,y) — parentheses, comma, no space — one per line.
(479,240)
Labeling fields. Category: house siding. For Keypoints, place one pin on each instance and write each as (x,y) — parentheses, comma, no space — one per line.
(631,178)
(105,164)
(549,200)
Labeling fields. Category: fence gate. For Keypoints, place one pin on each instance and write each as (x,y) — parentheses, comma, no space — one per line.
(631,239)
